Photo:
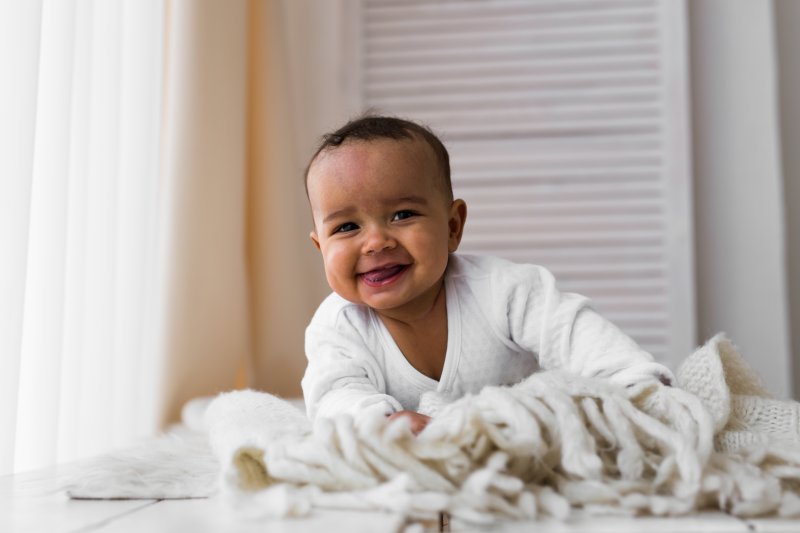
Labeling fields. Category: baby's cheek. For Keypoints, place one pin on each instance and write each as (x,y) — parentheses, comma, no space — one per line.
(340,266)
(337,259)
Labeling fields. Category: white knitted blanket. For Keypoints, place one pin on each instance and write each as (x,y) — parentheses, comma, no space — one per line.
(543,446)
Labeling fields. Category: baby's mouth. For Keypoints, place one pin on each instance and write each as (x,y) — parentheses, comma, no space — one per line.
(383,276)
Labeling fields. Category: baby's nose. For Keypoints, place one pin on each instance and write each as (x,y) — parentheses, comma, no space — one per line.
(377,241)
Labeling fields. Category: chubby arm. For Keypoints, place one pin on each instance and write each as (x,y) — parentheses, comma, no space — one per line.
(600,348)
(342,375)
(565,332)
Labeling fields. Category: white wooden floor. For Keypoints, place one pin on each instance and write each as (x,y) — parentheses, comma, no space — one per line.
(26,506)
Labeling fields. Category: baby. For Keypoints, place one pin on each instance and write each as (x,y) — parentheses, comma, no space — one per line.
(408,315)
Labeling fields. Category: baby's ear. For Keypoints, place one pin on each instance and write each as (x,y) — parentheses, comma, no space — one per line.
(458,217)
(314,238)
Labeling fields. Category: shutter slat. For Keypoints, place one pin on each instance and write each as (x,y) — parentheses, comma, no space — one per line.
(441,11)
(510,99)
(581,172)
(479,83)
(463,23)
(541,66)
(578,36)
(499,208)
(510,51)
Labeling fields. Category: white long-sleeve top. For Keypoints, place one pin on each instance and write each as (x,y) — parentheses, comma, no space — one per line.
(504,322)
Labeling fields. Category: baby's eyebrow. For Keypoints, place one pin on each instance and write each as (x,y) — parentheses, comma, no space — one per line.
(413,199)
(338,213)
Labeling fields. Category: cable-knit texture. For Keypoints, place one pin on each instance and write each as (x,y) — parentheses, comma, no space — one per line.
(744,412)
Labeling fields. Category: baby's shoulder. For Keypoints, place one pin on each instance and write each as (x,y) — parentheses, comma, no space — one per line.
(495,271)
(336,312)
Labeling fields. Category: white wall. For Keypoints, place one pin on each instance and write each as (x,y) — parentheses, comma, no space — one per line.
(739,209)
(787,17)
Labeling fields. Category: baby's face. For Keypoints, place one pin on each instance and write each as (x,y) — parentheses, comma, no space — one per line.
(383,223)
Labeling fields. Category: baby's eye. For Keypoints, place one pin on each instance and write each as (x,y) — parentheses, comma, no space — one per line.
(402,215)
(346,227)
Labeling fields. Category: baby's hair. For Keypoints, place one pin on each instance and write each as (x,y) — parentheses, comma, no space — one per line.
(370,127)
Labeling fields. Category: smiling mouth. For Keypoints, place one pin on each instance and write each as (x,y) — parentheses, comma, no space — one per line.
(383,276)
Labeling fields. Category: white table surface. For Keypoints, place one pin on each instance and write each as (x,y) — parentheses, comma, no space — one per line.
(28,503)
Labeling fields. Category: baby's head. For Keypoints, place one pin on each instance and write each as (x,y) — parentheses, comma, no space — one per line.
(384,215)
(372,127)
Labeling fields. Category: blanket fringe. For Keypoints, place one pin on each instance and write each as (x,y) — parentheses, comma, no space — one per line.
(546,445)
(550,443)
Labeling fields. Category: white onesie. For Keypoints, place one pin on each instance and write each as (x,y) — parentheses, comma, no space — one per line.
(504,322)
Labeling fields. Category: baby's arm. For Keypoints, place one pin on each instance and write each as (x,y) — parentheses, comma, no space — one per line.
(598,347)
(342,376)
(565,332)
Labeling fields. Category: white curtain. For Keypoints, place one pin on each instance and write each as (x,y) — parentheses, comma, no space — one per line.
(150,155)
(79,194)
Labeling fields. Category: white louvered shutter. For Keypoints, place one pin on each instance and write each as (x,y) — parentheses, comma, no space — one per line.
(566,121)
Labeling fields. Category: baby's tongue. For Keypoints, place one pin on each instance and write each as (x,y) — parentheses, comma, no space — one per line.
(383,273)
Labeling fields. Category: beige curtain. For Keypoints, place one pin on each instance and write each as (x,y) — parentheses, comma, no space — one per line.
(285,272)
(240,279)
(296,48)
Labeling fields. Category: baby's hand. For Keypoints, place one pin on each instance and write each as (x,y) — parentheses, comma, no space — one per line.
(418,421)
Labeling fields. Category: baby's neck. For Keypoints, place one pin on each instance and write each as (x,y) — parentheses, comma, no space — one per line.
(422,336)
